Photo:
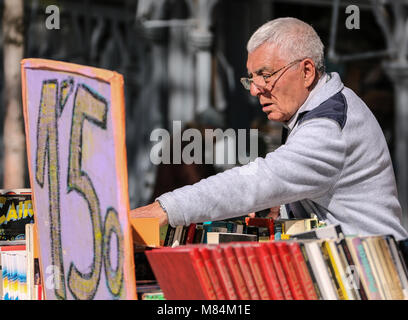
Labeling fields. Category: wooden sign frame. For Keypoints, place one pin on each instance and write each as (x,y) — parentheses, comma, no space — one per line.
(44,114)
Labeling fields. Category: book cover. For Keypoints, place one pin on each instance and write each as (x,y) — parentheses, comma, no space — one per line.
(191,233)
(354,278)
(269,272)
(212,273)
(246,271)
(202,274)
(16,211)
(223,237)
(309,267)
(332,268)
(176,274)
(236,273)
(393,279)
(289,270)
(402,273)
(333,231)
(224,273)
(376,264)
(363,267)
(279,270)
(313,250)
(302,271)
(256,271)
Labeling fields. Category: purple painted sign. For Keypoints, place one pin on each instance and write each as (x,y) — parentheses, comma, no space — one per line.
(74,118)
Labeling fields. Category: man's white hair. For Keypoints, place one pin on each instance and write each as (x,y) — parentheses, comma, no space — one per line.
(294,38)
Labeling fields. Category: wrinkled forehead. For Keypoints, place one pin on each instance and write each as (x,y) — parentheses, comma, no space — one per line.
(266,57)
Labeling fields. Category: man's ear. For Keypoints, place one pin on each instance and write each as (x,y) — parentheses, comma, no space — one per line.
(309,72)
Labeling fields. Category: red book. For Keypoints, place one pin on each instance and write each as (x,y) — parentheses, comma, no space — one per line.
(176,272)
(236,274)
(190,233)
(221,265)
(279,270)
(262,222)
(213,274)
(203,277)
(288,265)
(256,270)
(13,248)
(302,271)
(246,271)
(271,279)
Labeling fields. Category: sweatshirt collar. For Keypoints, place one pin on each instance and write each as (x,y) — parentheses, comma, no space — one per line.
(327,86)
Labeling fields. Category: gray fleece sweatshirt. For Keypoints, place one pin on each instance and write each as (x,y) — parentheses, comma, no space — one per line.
(335,163)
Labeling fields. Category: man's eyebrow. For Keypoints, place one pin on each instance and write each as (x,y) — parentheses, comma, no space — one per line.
(258,71)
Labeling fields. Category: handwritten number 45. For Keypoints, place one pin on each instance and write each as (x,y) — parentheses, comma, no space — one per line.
(90,106)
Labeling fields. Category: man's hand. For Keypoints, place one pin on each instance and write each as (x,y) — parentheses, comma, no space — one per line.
(152,210)
(273,213)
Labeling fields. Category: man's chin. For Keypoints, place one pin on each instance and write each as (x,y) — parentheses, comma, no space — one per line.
(274,117)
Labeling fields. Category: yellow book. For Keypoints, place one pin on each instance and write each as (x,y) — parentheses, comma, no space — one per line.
(337,268)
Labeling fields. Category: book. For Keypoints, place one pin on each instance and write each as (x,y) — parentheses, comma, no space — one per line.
(309,267)
(288,265)
(268,271)
(333,231)
(333,270)
(364,269)
(353,277)
(222,237)
(279,270)
(190,233)
(397,259)
(16,211)
(267,223)
(246,271)
(302,271)
(256,271)
(224,273)
(394,285)
(215,279)
(236,273)
(180,274)
(320,270)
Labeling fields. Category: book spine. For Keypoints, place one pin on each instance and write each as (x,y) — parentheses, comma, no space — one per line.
(366,269)
(394,285)
(256,272)
(334,271)
(246,272)
(203,277)
(236,274)
(311,273)
(169,236)
(279,271)
(289,269)
(350,262)
(212,272)
(302,271)
(224,273)
(190,233)
(275,290)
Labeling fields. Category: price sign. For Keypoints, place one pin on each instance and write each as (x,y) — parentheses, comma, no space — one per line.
(75,132)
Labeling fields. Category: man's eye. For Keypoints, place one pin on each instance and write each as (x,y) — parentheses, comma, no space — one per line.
(266,76)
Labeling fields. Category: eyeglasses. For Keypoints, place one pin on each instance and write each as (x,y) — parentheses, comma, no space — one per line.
(246,82)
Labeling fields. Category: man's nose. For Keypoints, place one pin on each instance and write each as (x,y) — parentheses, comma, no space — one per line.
(255,90)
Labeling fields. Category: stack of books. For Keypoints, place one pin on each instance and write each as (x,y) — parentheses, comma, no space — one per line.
(321,264)
(246,229)
(20,275)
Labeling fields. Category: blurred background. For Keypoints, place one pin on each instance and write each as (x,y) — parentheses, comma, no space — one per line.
(182,60)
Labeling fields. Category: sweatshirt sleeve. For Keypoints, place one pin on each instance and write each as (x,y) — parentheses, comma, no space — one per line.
(306,167)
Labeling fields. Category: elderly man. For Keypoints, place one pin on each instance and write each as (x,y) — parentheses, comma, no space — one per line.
(335,161)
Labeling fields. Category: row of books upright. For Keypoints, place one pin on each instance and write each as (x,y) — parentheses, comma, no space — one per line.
(246,229)
(20,277)
(333,268)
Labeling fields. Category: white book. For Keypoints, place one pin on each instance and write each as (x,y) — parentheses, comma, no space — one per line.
(320,270)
